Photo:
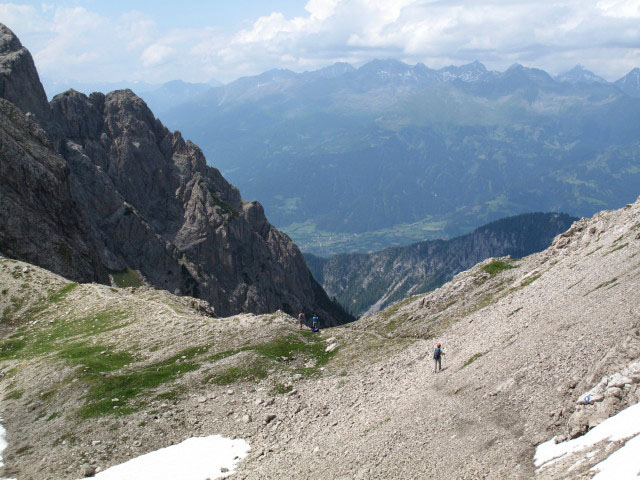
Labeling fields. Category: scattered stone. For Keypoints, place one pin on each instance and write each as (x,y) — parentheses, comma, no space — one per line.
(618,380)
(202,399)
(269,418)
(331,348)
(560,439)
(88,470)
(246,418)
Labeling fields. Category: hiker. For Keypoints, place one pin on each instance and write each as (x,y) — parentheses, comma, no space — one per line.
(437,357)
(314,323)
(301,319)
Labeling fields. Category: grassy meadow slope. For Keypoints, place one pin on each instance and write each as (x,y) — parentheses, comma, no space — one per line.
(524,340)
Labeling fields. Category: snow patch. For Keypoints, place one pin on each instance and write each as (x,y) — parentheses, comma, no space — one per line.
(621,464)
(3,445)
(194,459)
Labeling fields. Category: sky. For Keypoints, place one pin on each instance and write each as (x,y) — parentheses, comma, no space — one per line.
(200,40)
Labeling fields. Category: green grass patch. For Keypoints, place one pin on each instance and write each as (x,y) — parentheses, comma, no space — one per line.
(270,355)
(281,389)
(393,309)
(17,303)
(594,251)
(95,359)
(173,394)
(15,395)
(619,247)
(530,280)
(10,347)
(608,283)
(127,278)
(254,371)
(129,385)
(574,284)
(23,450)
(496,267)
(60,294)
(472,359)
(53,337)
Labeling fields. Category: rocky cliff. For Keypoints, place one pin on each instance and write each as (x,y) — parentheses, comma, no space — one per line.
(129,195)
(366,283)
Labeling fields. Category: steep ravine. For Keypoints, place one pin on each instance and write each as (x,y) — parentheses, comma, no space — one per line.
(366,283)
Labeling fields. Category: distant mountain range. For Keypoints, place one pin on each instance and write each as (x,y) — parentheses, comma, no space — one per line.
(159,97)
(366,283)
(358,159)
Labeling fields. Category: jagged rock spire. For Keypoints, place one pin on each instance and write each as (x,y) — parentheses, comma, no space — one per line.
(19,80)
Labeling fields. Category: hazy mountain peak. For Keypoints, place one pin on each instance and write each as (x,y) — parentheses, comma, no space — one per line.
(528,75)
(469,72)
(516,67)
(630,83)
(579,74)
(388,65)
(336,70)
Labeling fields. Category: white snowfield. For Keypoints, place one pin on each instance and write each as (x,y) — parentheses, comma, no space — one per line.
(194,459)
(3,445)
(622,464)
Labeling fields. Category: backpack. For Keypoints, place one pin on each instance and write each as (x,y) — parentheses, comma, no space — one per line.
(436,353)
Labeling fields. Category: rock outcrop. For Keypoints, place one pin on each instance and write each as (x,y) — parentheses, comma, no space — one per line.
(143,198)
(40,222)
(19,80)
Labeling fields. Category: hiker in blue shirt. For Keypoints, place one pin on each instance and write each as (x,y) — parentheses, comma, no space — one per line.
(314,323)
(437,357)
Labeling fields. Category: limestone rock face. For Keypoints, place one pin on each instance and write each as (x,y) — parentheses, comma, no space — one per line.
(148,201)
(39,220)
(19,81)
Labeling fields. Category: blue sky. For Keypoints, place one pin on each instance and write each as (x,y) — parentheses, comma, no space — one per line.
(223,14)
(198,40)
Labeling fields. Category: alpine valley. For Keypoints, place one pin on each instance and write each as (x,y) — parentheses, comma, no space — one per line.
(144,305)
(352,159)
(367,282)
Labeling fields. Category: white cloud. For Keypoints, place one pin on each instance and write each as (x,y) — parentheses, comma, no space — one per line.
(155,54)
(620,8)
(321,9)
(603,35)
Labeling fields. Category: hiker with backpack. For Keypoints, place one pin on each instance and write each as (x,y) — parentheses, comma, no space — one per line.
(314,323)
(438,353)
